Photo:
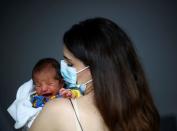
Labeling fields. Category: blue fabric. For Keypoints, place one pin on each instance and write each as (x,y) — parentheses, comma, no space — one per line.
(39,101)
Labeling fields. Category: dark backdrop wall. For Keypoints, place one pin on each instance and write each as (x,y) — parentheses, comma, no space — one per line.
(31,30)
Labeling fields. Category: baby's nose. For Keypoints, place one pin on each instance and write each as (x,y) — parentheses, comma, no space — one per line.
(44,88)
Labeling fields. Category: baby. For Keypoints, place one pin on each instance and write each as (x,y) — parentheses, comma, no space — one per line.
(49,83)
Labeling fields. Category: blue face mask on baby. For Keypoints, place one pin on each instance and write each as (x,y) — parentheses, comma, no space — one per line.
(69,75)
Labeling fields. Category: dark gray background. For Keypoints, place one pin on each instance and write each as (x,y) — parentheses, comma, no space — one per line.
(31,30)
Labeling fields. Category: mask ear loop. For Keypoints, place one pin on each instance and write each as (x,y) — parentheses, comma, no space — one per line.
(88,82)
(83,69)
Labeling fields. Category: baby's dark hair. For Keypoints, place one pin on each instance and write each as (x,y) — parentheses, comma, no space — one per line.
(47,62)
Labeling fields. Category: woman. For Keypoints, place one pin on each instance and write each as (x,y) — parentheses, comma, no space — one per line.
(100,56)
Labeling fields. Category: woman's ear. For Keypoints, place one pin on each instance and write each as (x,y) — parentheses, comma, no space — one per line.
(89,72)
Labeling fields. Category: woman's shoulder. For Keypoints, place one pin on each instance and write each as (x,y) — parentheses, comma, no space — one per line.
(58,106)
(58,103)
(54,115)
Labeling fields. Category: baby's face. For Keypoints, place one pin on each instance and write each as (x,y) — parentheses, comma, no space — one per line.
(46,83)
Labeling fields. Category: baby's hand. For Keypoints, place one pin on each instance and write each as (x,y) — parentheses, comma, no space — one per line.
(66,93)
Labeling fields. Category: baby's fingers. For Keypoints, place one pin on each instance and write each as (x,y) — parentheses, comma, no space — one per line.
(65,93)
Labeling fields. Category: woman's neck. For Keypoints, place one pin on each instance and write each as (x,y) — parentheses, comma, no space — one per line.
(89,88)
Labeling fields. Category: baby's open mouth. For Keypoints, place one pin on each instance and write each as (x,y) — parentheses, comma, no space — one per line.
(47,94)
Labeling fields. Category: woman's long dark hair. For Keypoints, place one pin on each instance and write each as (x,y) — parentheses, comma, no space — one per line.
(121,91)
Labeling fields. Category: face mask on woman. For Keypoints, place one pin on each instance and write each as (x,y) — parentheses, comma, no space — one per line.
(69,75)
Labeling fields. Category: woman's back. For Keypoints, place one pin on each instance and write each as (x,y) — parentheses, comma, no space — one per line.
(89,116)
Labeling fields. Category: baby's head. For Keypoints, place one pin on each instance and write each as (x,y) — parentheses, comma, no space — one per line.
(46,77)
